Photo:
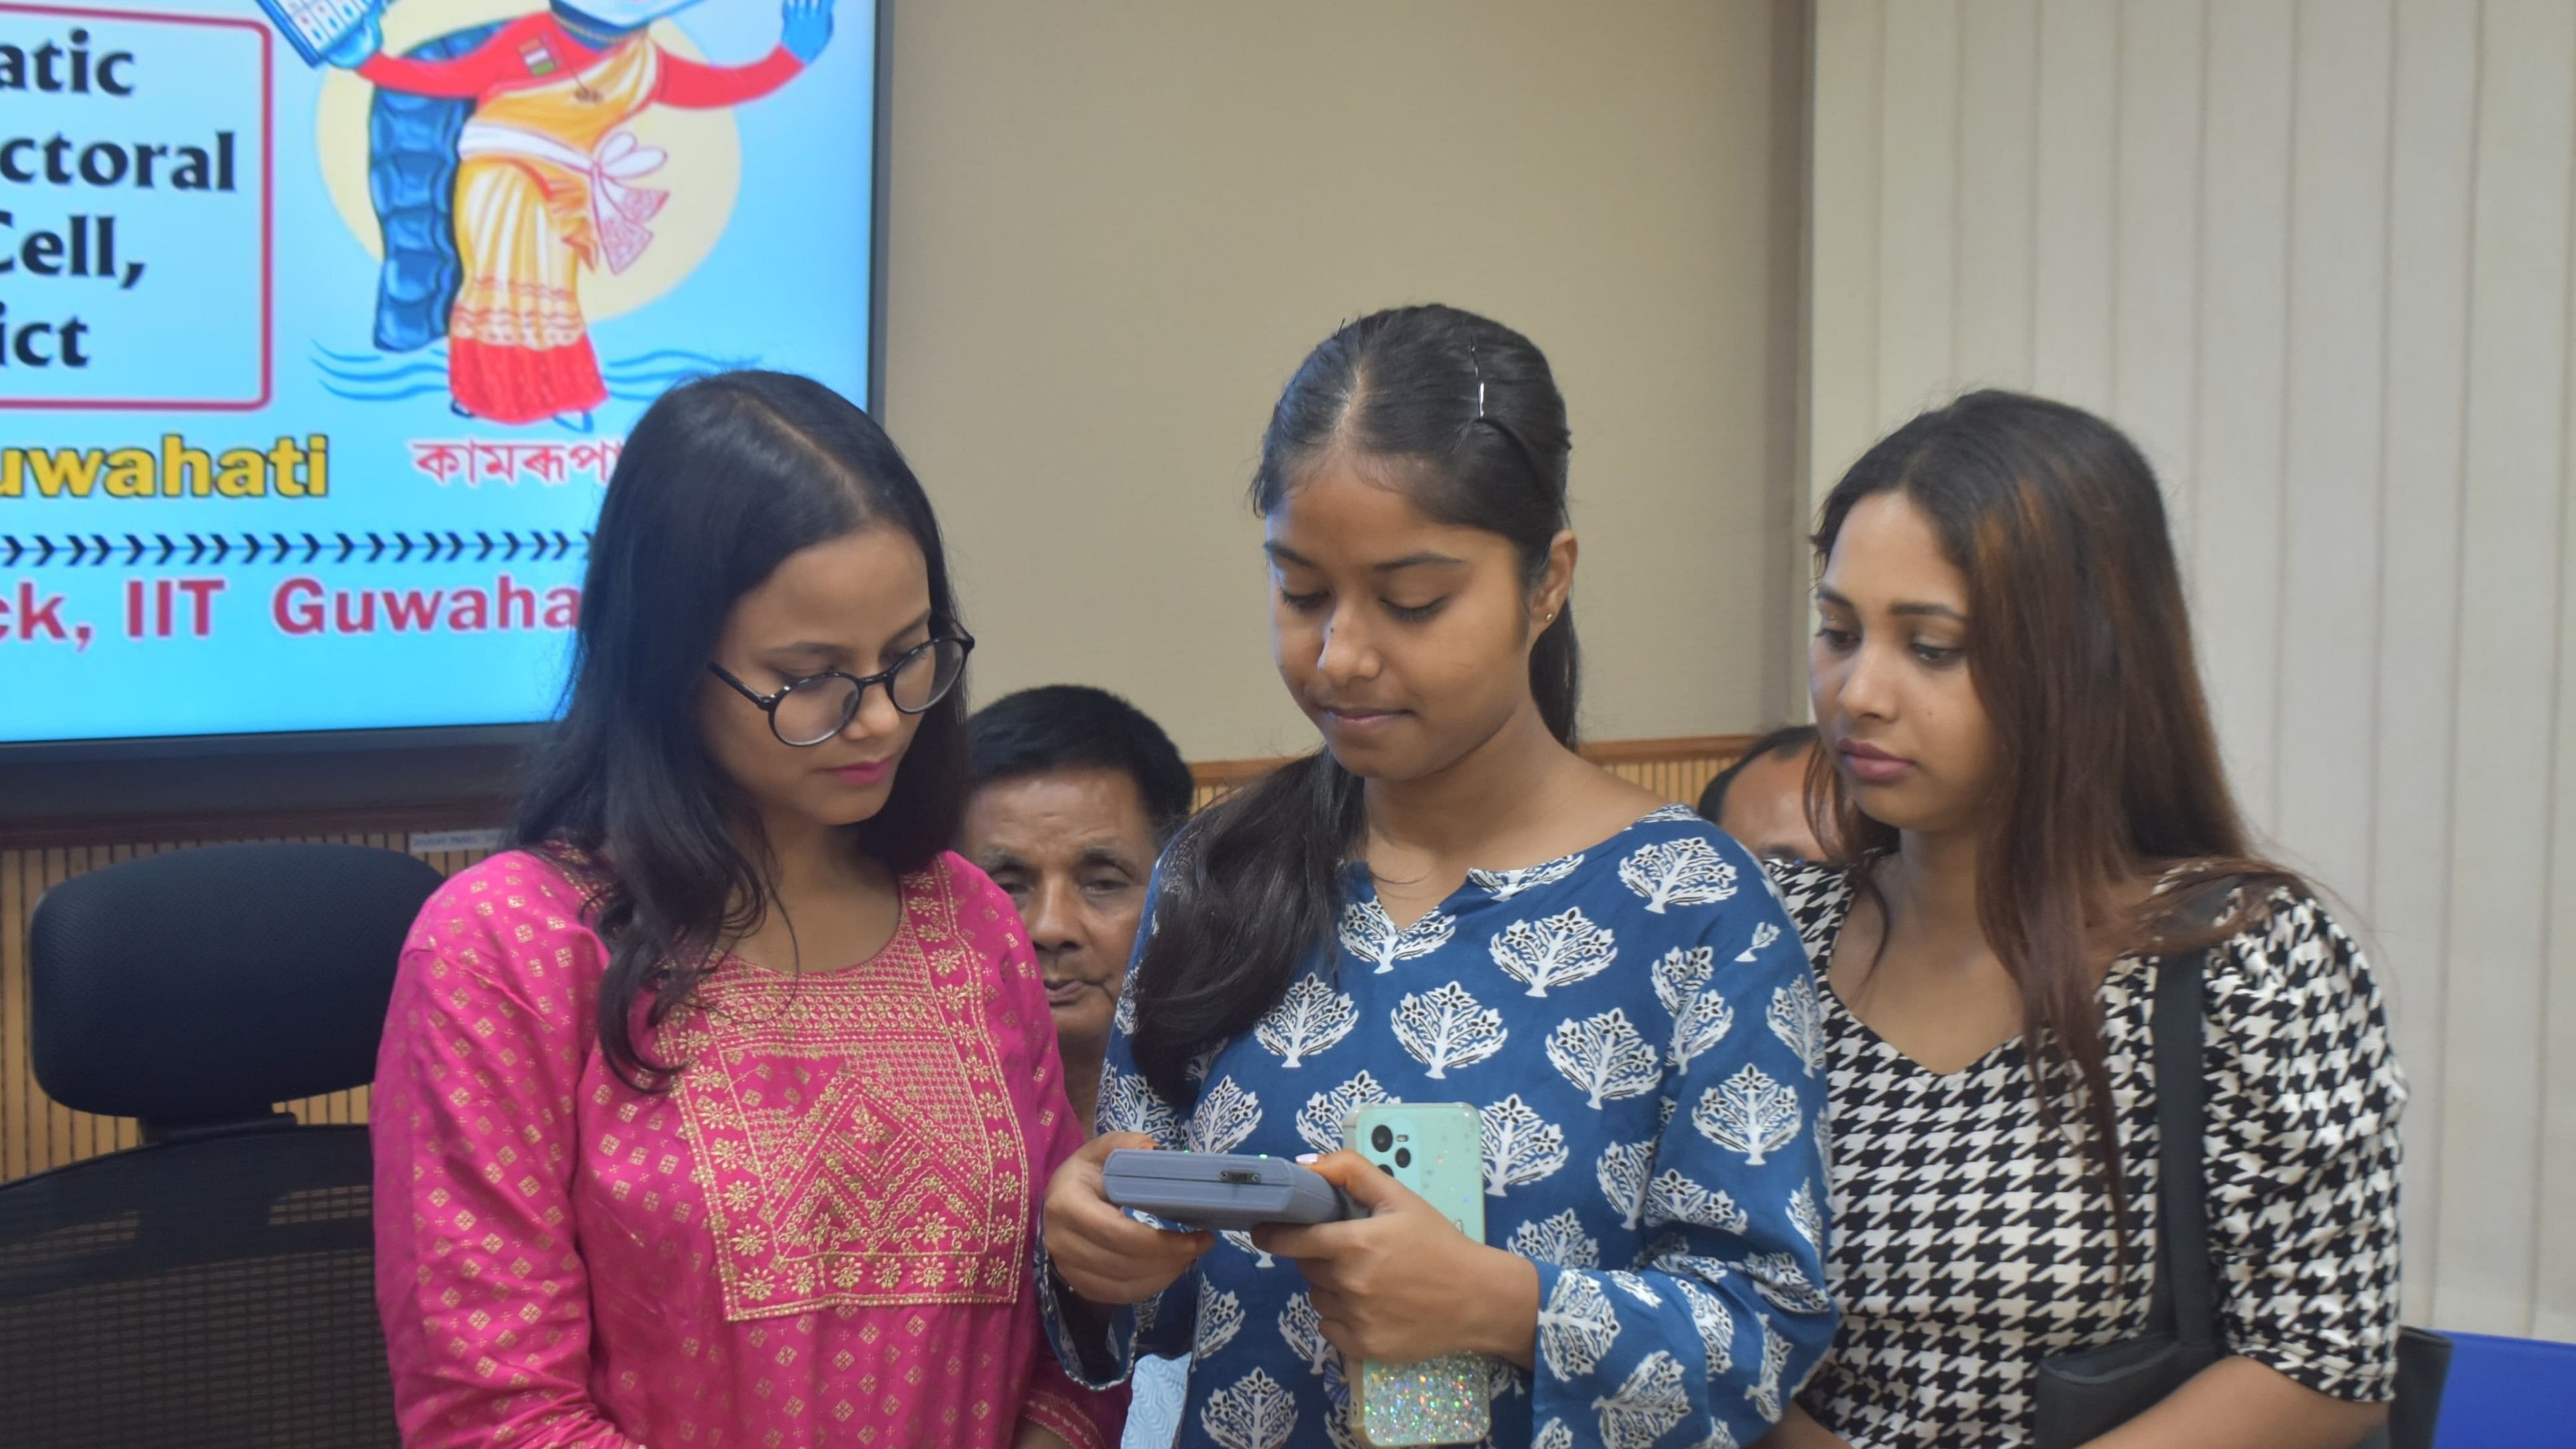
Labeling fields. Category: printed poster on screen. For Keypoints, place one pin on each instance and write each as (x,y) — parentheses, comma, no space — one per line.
(322,324)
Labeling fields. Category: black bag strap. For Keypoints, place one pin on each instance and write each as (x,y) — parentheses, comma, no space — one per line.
(2186,1291)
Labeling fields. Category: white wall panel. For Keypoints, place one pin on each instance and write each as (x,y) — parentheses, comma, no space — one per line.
(1990,332)
(2079,90)
(1918,148)
(2314,255)
(2432,158)
(2325,726)
(2228,520)
(2515,473)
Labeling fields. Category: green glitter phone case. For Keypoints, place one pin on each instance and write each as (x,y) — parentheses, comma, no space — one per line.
(1438,1150)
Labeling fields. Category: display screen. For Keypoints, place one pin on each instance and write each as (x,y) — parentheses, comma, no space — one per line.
(321,325)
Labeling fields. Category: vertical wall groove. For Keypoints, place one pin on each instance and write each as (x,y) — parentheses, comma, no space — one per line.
(2267,801)
(2387,345)
(2554,1126)
(37,1133)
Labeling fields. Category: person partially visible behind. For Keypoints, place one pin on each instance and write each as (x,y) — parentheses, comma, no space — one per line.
(1072,793)
(715,1113)
(1761,799)
(2030,791)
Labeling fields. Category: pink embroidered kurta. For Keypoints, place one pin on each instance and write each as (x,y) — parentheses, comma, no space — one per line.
(821,1234)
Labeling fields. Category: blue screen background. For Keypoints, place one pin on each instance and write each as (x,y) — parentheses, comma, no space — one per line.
(786,285)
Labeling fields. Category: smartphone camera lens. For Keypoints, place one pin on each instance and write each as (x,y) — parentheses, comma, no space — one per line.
(1383,1138)
(1404,1157)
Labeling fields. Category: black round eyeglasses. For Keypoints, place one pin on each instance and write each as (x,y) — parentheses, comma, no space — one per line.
(806,712)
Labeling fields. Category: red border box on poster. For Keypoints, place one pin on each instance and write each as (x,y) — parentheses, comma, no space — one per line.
(267,220)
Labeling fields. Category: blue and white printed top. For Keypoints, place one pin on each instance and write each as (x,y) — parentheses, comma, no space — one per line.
(1638,1025)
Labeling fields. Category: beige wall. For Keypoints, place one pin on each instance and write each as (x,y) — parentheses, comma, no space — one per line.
(1116,228)
(2313,254)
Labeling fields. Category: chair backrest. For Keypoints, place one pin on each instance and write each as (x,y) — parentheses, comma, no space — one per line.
(2508,1393)
(202,986)
(216,1287)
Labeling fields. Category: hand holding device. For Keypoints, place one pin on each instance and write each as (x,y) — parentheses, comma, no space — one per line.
(1411,1296)
(1223,1190)
(1103,1254)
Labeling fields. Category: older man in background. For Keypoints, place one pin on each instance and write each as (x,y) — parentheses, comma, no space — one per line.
(1072,793)
(1761,799)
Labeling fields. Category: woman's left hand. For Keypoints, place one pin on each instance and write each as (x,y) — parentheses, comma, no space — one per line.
(1403,1284)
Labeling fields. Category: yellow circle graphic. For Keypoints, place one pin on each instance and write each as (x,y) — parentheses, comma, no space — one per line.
(702,170)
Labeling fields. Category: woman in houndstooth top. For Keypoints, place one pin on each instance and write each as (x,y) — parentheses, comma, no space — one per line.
(2021,765)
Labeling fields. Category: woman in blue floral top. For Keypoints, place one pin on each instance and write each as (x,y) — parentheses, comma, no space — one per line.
(1449,905)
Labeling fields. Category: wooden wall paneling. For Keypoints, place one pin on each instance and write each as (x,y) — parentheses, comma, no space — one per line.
(1990,336)
(37,1133)
(2229,529)
(1918,140)
(2324,686)
(1842,262)
(2432,162)
(2515,472)
(1677,780)
(17,898)
(2074,225)
(59,1121)
(23,874)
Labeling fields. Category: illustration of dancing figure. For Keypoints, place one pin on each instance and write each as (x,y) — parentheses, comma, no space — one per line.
(528,117)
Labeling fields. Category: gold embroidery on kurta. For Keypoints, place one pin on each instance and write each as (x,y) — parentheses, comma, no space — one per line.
(851,1132)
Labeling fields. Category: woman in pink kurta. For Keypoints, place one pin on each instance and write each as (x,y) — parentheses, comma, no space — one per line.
(794,1202)
(821,1232)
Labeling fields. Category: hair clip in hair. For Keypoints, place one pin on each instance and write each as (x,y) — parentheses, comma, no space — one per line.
(1479,369)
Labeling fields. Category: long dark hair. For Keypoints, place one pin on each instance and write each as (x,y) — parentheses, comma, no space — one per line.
(719,482)
(1469,410)
(2107,768)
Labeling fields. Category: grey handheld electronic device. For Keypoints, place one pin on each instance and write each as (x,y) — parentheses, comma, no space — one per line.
(1223,1190)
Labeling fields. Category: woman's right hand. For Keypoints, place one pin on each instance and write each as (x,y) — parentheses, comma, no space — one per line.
(1105,1255)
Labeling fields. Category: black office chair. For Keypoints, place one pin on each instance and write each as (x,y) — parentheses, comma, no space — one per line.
(214,1288)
